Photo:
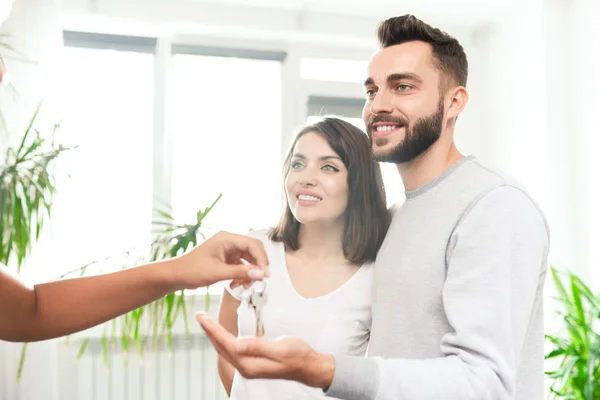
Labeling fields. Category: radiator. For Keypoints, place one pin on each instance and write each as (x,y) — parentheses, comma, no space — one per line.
(53,372)
(188,371)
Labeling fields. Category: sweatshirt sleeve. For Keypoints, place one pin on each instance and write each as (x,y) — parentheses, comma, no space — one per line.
(497,260)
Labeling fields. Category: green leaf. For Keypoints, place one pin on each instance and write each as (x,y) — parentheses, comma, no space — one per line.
(21,362)
(104,341)
(578,343)
(29,127)
(592,299)
(83,347)
(576,296)
(555,353)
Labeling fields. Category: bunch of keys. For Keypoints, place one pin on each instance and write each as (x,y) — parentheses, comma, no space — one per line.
(257,300)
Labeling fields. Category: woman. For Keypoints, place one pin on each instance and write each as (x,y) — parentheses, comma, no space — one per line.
(320,255)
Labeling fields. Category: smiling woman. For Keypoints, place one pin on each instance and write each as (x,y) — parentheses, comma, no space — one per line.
(320,254)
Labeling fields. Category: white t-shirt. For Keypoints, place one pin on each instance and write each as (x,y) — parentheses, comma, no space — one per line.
(338,322)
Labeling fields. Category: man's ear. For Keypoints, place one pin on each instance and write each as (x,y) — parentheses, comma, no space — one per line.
(458,98)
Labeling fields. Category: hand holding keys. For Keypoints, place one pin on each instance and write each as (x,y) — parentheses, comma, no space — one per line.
(258,299)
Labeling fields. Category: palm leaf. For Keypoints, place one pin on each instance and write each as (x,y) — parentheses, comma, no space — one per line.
(577,345)
(161,316)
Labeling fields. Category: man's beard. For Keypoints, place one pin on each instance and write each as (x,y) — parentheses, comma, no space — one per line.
(422,136)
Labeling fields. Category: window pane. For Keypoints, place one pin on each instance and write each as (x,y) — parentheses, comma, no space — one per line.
(226,127)
(333,70)
(105,207)
(394,189)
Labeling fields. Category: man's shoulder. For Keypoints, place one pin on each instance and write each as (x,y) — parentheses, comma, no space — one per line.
(487,180)
(499,190)
(484,177)
(476,180)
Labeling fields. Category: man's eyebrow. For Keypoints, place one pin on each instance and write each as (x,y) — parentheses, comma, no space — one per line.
(404,76)
(397,77)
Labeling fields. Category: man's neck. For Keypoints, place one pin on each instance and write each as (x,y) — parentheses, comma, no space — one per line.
(429,165)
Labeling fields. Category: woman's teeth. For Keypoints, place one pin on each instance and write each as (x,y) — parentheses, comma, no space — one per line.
(308,198)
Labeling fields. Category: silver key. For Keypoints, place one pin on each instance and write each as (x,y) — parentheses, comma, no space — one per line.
(258,299)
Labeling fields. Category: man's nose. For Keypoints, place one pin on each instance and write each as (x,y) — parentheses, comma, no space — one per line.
(382,103)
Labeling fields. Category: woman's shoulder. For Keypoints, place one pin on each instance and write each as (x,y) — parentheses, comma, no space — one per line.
(264,235)
(260,233)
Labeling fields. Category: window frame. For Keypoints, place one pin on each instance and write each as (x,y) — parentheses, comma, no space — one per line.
(299,96)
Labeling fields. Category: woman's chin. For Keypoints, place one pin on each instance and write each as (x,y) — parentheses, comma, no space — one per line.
(311,219)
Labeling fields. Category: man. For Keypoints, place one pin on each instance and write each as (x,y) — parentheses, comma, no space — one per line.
(457,303)
(54,309)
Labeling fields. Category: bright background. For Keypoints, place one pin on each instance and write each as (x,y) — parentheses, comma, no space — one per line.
(180,100)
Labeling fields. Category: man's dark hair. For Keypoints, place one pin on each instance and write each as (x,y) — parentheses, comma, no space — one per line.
(448,55)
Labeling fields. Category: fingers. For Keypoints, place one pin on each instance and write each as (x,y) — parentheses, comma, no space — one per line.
(249,347)
(245,283)
(218,337)
(249,248)
(274,350)
(239,274)
(229,347)
(216,331)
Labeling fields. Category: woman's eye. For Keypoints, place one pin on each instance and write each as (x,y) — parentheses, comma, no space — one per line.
(296,165)
(330,168)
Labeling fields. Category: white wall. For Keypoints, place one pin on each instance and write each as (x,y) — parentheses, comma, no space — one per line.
(583,122)
(534,86)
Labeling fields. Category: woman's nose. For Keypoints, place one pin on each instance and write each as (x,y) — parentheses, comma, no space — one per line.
(308,178)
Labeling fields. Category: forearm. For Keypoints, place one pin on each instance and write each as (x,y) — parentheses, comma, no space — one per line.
(401,379)
(63,307)
(226,373)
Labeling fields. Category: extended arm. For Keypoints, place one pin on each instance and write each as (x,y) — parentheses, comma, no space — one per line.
(48,310)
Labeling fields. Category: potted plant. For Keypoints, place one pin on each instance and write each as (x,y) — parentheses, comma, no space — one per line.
(27,193)
(27,190)
(576,347)
(170,240)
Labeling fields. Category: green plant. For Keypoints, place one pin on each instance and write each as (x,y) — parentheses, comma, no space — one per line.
(577,346)
(154,322)
(171,239)
(27,190)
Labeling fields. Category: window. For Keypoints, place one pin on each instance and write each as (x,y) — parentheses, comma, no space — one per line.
(333,70)
(226,130)
(105,207)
